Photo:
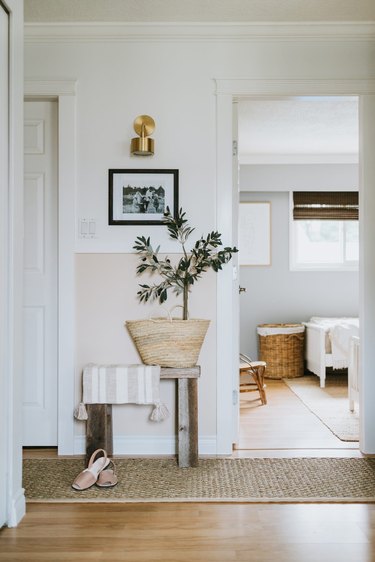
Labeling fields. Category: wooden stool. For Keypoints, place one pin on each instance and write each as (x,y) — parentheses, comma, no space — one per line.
(256,370)
(99,434)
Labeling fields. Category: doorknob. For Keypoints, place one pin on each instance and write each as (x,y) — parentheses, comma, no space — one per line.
(242,290)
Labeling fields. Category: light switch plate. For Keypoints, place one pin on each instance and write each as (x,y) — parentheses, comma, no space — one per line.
(87,228)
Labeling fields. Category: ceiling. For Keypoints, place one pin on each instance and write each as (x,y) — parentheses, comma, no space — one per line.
(199,10)
(298,130)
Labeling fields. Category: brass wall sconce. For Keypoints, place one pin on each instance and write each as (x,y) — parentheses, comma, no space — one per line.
(144,126)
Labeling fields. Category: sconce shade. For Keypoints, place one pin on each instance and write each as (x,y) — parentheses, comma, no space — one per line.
(142,146)
(144,126)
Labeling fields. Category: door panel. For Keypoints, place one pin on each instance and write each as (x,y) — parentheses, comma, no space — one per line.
(34,223)
(40,274)
(34,395)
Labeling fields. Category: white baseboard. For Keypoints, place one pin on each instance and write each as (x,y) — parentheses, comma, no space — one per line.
(147,445)
(17,508)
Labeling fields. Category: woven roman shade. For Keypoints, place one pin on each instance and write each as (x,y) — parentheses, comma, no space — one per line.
(330,205)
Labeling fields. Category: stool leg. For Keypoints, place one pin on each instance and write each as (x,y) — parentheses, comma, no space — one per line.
(99,429)
(262,392)
(187,422)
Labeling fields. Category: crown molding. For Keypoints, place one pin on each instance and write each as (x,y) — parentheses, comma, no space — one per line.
(67,32)
(242,87)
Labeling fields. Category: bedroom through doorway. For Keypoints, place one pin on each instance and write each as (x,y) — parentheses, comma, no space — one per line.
(298,264)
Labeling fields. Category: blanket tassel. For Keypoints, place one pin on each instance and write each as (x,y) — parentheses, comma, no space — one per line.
(80,413)
(159,413)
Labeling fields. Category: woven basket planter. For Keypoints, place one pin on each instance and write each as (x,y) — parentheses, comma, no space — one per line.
(281,346)
(168,342)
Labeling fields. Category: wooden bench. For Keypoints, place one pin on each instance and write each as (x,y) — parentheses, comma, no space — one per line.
(99,433)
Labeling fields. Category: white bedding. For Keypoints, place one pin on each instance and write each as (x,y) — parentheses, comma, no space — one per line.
(338,335)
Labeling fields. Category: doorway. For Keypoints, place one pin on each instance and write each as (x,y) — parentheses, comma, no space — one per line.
(64,92)
(40,274)
(308,145)
(228,91)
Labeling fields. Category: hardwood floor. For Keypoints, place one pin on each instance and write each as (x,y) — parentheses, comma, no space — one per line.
(194,532)
(285,427)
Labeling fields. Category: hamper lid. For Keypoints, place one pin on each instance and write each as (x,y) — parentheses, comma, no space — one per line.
(276,329)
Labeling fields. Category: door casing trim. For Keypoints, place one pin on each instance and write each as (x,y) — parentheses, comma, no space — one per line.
(64,92)
(229,91)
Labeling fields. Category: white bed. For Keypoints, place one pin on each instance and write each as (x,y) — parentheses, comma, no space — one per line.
(328,344)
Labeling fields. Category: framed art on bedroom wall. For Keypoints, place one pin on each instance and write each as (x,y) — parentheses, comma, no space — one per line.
(254,233)
(141,196)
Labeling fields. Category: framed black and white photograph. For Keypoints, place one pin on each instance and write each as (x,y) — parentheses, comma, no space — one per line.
(142,196)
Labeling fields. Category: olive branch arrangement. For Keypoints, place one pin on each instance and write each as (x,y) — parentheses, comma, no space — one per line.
(180,277)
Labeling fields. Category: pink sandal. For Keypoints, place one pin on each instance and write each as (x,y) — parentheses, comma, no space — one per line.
(107,478)
(90,475)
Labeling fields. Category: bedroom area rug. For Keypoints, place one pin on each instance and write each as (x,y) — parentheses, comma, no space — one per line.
(248,480)
(329,404)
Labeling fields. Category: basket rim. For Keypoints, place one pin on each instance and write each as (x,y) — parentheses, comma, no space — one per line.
(281,325)
(163,319)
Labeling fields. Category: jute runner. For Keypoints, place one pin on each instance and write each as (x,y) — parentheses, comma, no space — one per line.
(214,480)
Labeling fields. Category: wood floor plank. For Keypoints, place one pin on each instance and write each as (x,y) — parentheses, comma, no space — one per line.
(192,533)
(284,423)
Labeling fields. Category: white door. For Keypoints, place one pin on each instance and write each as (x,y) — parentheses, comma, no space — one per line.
(40,275)
(4,267)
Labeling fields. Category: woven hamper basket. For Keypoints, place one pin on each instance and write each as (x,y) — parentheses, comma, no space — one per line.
(168,343)
(281,346)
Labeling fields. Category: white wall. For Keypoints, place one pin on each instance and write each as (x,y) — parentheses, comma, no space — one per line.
(299,177)
(167,73)
(196,10)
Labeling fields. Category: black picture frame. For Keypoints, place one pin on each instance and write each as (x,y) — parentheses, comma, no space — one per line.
(141,196)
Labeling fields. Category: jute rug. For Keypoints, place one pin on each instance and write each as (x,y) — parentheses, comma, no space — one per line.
(329,404)
(214,480)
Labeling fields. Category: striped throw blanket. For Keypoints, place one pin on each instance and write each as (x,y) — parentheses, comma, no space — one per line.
(122,384)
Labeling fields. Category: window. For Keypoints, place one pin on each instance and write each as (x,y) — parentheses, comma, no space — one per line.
(324,231)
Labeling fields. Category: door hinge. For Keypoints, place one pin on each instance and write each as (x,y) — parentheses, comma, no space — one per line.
(235,397)
(235,148)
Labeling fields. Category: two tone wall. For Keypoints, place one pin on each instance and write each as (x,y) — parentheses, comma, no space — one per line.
(168,72)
